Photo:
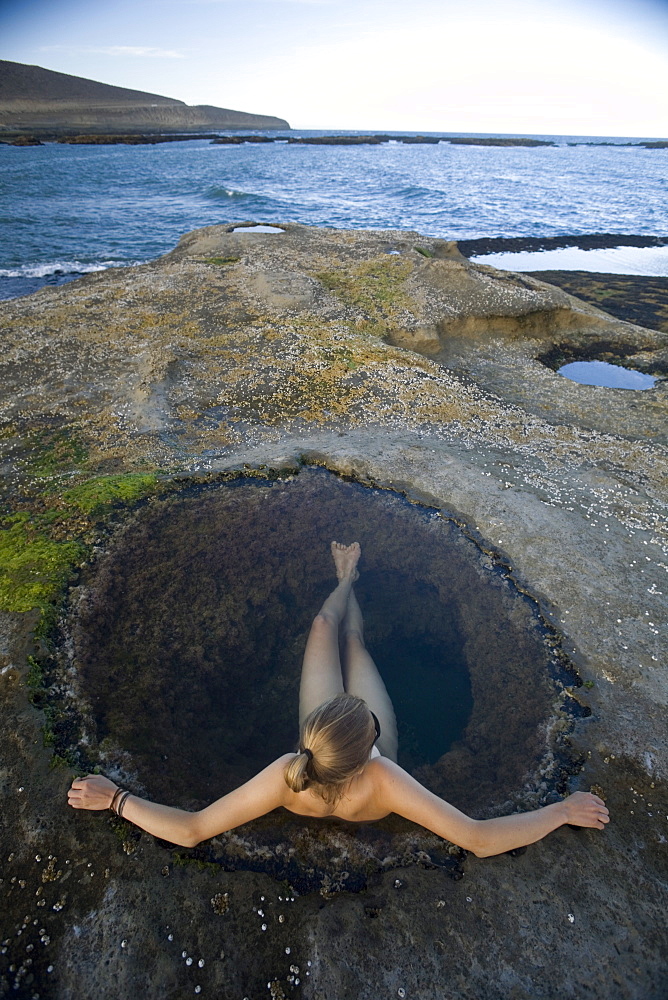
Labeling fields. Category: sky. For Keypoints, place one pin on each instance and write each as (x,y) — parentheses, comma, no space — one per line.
(567,67)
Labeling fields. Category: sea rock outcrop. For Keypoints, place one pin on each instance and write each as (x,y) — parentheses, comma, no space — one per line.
(389,359)
(377,140)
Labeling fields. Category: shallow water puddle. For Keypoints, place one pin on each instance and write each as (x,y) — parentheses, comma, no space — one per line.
(604,374)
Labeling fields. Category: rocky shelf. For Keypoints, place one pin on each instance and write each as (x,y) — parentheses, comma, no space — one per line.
(19,138)
(377,140)
(393,373)
(136,139)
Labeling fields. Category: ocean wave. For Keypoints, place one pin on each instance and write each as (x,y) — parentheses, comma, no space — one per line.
(48,268)
(217,193)
(415,191)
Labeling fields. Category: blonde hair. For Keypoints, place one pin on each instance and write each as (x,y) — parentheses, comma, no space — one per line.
(335,742)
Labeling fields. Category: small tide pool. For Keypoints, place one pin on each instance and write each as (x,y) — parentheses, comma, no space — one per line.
(602,373)
(257,229)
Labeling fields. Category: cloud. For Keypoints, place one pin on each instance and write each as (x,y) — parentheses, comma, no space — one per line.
(139,51)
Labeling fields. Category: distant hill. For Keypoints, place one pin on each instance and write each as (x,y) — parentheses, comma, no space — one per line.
(33,99)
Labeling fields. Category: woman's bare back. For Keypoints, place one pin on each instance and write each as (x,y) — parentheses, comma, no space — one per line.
(359,802)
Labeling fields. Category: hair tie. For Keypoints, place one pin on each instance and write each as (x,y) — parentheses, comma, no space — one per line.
(309,753)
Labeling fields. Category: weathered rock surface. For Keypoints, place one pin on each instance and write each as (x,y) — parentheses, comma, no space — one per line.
(389,358)
(635,298)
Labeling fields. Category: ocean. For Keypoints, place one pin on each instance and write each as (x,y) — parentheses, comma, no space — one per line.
(67,210)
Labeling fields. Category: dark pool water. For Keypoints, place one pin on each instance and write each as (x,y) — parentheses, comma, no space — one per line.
(427,680)
(188,643)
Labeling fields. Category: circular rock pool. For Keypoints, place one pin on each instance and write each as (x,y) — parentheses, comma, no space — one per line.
(187,640)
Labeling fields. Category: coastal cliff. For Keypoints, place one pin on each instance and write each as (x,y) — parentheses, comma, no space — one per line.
(42,101)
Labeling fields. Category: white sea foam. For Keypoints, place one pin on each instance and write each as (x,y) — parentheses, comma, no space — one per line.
(218,193)
(48,268)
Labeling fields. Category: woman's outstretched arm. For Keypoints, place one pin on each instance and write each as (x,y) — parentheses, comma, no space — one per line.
(405,796)
(263,793)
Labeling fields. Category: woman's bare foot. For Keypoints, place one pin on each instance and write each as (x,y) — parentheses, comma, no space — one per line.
(346,558)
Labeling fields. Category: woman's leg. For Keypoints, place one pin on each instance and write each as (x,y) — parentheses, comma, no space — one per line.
(361,678)
(321,670)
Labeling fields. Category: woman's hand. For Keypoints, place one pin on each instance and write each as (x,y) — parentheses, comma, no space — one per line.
(586,809)
(92,792)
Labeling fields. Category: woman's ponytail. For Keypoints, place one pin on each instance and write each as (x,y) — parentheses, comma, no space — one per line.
(296,775)
(335,743)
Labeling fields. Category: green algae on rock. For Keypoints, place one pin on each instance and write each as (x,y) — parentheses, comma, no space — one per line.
(376,288)
(41,547)
(96,496)
(53,451)
(34,567)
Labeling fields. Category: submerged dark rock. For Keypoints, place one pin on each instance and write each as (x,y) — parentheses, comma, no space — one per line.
(586,241)
(634,298)
(376,140)
(646,144)
(499,141)
(127,140)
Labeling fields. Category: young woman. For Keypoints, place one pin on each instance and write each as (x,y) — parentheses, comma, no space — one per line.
(346,762)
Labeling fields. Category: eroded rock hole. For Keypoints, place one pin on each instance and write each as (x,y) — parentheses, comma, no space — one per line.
(188,640)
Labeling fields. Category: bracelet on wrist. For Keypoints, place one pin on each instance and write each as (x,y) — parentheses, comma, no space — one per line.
(114,800)
(121,804)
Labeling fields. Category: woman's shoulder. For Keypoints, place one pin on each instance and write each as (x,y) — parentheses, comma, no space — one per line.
(279,765)
(383,768)
(389,783)
(274,773)
(271,782)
